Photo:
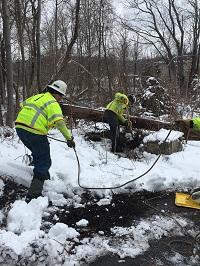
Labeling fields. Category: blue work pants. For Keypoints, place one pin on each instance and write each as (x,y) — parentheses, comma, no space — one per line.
(113,121)
(39,146)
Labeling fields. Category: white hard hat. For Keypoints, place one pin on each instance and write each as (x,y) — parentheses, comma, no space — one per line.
(59,86)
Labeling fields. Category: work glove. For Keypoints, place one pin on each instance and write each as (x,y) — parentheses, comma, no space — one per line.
(195,194)
(71,143)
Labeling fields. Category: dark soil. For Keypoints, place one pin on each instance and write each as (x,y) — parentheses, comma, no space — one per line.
(124,210)
(12,192)
(129,144)
(158,254)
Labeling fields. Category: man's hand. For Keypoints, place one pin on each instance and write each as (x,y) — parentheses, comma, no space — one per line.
(71,143)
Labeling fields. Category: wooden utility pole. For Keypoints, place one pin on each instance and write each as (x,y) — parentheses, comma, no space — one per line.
(78,112)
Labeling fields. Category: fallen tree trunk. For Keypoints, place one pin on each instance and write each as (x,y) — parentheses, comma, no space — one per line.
(95,115)
(193,135)
(78,112)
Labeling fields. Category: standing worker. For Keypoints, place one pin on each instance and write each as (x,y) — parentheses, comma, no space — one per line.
(114,116)
(38,115)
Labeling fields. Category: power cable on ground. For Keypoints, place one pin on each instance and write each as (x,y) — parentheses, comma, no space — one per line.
(111,187)
(195,239)
(128,116)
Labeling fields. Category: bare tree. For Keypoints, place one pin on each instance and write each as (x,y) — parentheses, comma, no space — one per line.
(135,59)
(56,36)
(20,16)
(38,45)
(162,25)
(2,70)
(195,53)
(9,66)
(93,48)
(124,45)
(2,83)
(66,57)
(106,25)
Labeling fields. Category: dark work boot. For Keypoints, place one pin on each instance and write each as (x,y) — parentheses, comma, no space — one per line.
(35,189)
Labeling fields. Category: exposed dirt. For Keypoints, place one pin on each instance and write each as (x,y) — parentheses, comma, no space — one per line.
(124,210)
(157,255)
(12,192)
(129,144)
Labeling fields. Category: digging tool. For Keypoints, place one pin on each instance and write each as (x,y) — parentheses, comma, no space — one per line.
(188,200)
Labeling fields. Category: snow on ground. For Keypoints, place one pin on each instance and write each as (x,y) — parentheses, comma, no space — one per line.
(98,169)
(161,135)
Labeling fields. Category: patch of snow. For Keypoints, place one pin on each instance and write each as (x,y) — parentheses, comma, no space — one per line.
(1,216)
(61,232)
(161,135)
(1,187)
(105,201)
(82,223)
(18,242)
(178,170)
(26,217)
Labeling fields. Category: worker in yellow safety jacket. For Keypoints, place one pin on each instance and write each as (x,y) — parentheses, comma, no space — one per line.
(194,124)
(38,115)
(114,115)
(186,125)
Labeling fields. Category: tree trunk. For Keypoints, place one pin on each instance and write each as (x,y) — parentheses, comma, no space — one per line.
(181,77)
(107,66)
(135,58)
(2,94)
(9,66)
(20,29)
(31,33)
(195,41)
(68,51)
(56,37)
(38,46)
(78,112)
(198,62)
(2,71)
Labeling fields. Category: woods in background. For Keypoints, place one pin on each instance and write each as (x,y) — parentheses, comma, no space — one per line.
(95,50)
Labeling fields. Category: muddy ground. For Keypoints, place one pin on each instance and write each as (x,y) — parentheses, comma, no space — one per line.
(124,210)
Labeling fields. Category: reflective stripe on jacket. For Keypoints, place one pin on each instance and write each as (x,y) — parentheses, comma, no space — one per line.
(119,106)
(39,113)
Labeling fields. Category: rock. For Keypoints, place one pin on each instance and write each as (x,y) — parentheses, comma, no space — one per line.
(166,148)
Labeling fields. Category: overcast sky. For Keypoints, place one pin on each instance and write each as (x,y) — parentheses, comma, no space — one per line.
(118,4)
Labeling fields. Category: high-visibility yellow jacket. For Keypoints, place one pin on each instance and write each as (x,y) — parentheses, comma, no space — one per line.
(196,123)
(119,106)
(39,114)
